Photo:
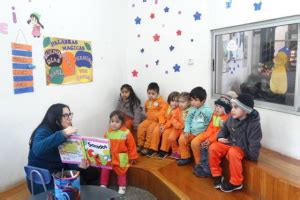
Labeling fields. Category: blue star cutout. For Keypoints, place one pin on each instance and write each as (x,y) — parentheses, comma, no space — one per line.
(228,3)
(171,48)
(142,50)
(137,20)
(176,68)
(166,9)
(157,62)
(257,6)
(197,16)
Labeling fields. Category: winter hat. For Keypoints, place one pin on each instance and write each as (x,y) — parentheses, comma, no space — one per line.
(245,102)
(224,101)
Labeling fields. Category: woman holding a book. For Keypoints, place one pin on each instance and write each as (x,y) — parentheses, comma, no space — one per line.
(54,130)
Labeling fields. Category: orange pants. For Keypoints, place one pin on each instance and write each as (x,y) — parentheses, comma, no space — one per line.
(129,125)
(144,132)
(184,148)
(234,155)
(155,138)
(196,146)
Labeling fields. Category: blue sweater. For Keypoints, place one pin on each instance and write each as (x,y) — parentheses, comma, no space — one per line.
(44,152)
(198,119)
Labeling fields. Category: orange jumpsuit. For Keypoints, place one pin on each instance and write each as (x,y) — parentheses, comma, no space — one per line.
(155,110)
(123,149)
(177,121)
(156,134)
(211,134)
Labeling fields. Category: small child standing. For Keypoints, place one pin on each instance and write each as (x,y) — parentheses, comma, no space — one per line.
(123,150)
(201,142)
(130,105)
(239,138)
(196,122)
(178,121)
(165,128)
(155,108)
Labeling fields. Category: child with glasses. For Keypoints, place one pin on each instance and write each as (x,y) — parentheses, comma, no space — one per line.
(123,150)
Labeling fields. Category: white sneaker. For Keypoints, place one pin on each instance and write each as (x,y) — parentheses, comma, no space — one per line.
(104,186)
(122,190)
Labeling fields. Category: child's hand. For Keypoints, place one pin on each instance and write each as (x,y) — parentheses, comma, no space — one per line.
(132,162)
(223,140)
(70,130)
(84,164)
(186,135)
(205,144)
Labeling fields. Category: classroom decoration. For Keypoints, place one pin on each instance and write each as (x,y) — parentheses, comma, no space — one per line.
(166,9)
(278,81)
(178,32)
(68,61)
(96,150)
(137,20)
(3,28)
(171,48)
(156,37)
(176,68)
(135,73)
(22,68)
(197,16)
(36,24)
(14,16)
(228,3)
(257,6)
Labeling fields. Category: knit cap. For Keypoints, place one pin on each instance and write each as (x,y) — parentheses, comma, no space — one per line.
(224,101)
(245,102)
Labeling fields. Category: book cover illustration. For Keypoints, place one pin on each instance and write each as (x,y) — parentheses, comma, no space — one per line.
(72,151)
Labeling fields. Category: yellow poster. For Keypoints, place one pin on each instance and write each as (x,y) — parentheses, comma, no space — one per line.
(67,61)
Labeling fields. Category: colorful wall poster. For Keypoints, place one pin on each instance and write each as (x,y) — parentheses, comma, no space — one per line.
(22,68)
(67,61)
(96,150)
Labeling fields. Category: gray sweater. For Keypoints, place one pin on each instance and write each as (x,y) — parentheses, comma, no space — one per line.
(137,112)
(244,133)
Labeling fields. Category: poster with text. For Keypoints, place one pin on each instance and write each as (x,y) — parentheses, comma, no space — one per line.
(67,61)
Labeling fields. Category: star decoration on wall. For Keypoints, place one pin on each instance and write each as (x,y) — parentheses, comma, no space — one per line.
(142,50)
(152,15)
(197,16)
(257,6)
(178,32)
(171,48)
(166,9)
(137,20)
(176,68)
(157,62)
(156,37)
(135,73)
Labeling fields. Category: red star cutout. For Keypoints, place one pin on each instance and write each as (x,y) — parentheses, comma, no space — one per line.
(152,15)
(178,32)
(135,73)
(156,37)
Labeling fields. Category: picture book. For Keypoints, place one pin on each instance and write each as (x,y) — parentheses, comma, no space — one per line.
(96,150)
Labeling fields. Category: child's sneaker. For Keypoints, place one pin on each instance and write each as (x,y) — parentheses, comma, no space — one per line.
(175,155)
(181,162)
(144,151)
(218,181)
(104,186)
(139,149)
(122,190)
(228,187)
(162,155)
(200,172)
(151,153)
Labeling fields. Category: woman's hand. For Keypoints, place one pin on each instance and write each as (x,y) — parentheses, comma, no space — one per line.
(205,144)
(84,164)
(70,130)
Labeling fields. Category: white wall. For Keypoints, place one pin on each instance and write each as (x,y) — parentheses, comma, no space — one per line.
(93,20)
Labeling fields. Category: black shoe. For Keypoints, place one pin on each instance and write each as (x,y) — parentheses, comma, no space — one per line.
(139,149)
(228,187)
(144,151)
(200,172)
(162,155)
(151,153)
(182,162)
(218,181)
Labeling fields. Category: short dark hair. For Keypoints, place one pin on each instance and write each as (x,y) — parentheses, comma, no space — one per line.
(153,86)
(198,93)
(172,96)
(119,114)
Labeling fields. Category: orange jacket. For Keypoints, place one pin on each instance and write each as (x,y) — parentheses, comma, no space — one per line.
(214,127)
(178,118)
(155,109)
(122,147)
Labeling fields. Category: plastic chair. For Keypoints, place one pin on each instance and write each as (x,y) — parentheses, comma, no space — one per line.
(37,175)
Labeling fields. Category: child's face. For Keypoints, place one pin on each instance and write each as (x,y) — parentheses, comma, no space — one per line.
(152,94)
(115,123)
(219,110)
(196,103)
(183,103)
(125,93)
(174,103)
(237,112)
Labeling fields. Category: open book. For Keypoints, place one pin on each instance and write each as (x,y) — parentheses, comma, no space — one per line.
(96,150)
